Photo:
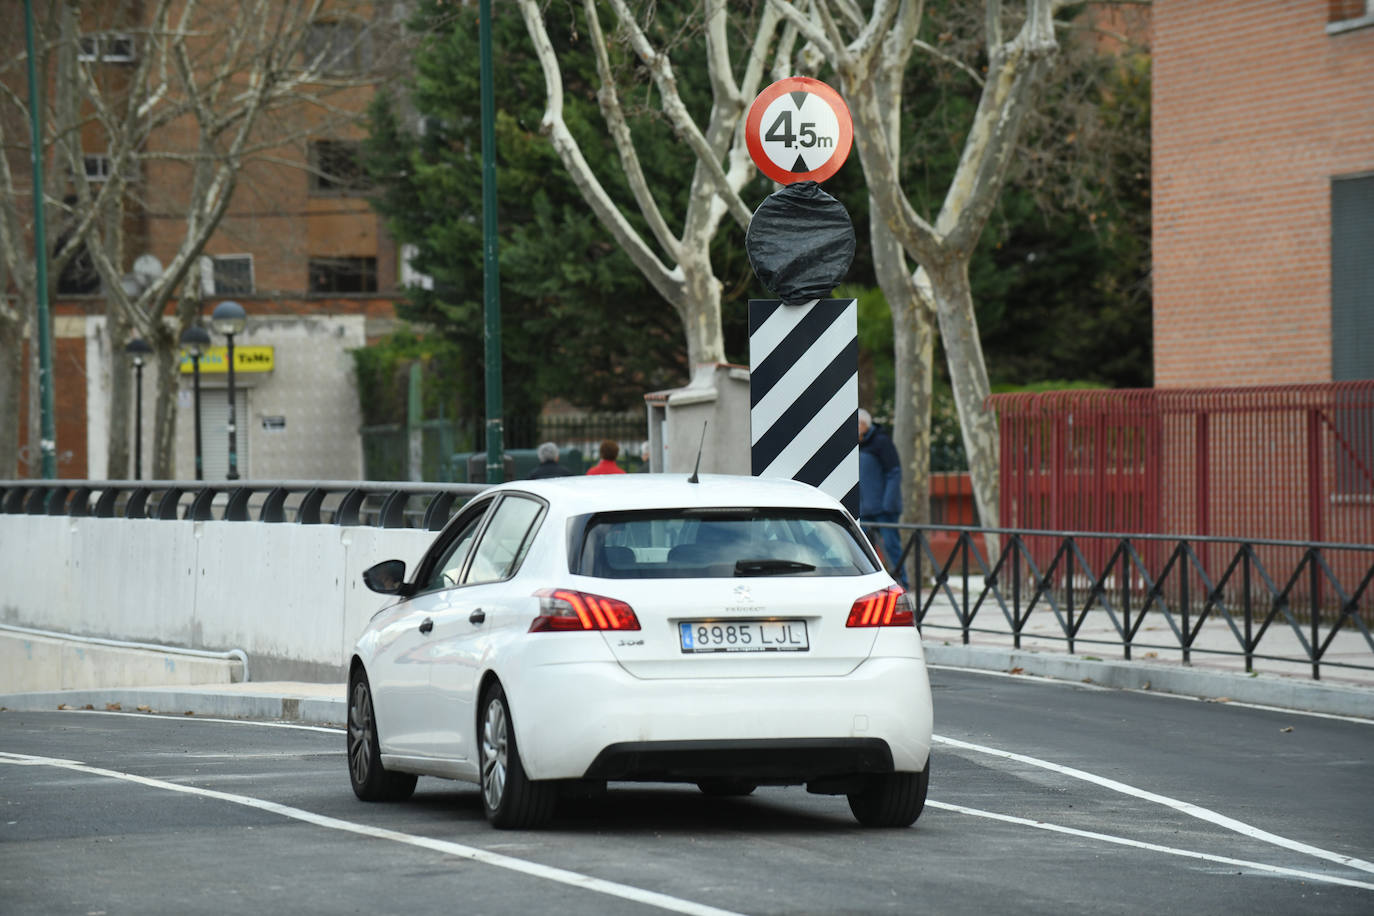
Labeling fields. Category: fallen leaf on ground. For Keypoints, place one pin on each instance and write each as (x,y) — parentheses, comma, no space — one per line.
(1018,671)
(63,706)
(145,708)
(1288,729)
(113,707)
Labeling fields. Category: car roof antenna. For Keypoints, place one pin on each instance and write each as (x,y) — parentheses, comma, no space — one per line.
(695,478)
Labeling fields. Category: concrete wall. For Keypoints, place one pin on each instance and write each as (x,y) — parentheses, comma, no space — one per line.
(35,663)
(289,595)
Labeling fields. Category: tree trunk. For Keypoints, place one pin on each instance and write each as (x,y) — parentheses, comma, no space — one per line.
(968,376)
(121,391)
(11,382)
(700,311)
(913,336)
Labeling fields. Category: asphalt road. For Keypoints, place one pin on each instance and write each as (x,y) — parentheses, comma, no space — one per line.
(1045,798)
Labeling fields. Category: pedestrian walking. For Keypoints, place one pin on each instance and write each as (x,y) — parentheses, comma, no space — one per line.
(880,490)
(548,463)
(607,465)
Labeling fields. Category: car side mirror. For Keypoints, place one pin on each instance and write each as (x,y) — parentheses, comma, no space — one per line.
(387,577)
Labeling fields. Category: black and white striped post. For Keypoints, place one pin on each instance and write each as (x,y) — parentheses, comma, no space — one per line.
(804,394)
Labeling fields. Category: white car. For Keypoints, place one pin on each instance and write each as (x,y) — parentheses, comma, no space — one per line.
(561,633)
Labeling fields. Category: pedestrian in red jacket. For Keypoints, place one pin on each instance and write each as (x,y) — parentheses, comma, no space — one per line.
(607,465)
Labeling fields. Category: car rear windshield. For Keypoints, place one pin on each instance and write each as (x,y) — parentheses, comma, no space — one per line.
(718,543)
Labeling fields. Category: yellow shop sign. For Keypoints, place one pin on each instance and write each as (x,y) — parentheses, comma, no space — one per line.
(246,359)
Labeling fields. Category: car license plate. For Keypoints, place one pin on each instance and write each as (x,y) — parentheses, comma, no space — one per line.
(743,636)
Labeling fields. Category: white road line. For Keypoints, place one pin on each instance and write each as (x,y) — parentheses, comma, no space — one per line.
(1061,682)
(1197,811)
(170,716)
(1153,847)
(534,869)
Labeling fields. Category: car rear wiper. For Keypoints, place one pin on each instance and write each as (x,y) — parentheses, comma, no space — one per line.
(770,567)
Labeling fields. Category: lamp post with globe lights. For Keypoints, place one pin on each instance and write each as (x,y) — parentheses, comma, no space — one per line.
(196,339)
(139,349)
(229,319)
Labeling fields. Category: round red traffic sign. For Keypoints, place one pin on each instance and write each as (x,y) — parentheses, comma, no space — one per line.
(799,129)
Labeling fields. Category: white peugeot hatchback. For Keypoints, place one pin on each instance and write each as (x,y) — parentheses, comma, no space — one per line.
(562,633)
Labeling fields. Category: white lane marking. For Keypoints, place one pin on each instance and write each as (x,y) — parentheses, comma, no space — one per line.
(1060,682)
(534,869)
(171,716)
(1197,811)
(1153,847)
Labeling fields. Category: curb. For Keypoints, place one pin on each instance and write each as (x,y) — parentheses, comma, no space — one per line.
(302,710)
(1260,689)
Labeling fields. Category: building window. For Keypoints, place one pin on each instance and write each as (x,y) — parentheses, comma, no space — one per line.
(226,275)
(114,47)
(1352,278)
(337,47)
(336,167)
(1345,15)
(97,168)
(343,275)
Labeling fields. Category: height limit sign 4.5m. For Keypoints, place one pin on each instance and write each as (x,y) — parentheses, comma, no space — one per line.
(799,129)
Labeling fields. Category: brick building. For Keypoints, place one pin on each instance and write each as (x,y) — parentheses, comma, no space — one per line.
(1263,164)
(299,247)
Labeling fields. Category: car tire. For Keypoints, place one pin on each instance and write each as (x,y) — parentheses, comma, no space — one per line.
(726,788)
(511,800)
(371,781)
(891,799)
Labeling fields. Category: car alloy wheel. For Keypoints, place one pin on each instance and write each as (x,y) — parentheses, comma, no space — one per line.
(370,780)
(510,798)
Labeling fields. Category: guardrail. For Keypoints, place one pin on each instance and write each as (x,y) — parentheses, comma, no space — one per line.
(1250,590)
(382,504)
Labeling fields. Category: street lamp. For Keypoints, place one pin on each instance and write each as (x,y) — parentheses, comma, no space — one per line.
(196,339)
(229,319)
(138,348)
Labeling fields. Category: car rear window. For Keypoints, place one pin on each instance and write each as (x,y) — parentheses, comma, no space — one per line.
(718,543)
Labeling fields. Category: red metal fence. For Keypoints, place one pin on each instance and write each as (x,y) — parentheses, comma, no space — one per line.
(1290,463)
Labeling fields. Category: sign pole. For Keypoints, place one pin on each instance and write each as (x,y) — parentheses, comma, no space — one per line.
(48,435)
(491,271)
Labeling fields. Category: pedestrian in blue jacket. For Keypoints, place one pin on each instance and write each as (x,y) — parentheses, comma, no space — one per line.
(880,490)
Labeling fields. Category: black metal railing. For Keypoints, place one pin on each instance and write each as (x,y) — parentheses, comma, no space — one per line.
(382,504)
(994,580)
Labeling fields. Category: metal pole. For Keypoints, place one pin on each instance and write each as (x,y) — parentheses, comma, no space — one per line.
(233,423)
(195,386)
(48,438)
(138,418)
(491,276)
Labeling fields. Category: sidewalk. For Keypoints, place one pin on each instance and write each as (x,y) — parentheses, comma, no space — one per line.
(1220,678)
(1156,663)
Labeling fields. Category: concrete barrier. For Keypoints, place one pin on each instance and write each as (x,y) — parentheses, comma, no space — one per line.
(36,663)
(291,596)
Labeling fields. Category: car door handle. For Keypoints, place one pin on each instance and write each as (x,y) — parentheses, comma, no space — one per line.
(427,624)
(477,616)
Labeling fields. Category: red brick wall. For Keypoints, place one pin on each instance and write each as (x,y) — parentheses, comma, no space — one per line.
(1255,109)
(69,409)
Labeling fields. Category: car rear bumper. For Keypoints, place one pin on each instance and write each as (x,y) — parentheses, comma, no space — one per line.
(786,760)
(616,726)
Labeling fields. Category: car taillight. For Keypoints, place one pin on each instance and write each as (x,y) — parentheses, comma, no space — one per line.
(890,607)
(564,609)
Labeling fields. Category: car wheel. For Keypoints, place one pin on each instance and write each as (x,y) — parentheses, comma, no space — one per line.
(371,781)
(891,799)
(724,788)
(510,798)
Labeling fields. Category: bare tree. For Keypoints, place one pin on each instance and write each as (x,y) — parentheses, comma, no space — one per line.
(677,263)
(212,86)
(868,52)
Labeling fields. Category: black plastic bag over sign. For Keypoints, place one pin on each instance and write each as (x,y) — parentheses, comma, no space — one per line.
(800,243)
